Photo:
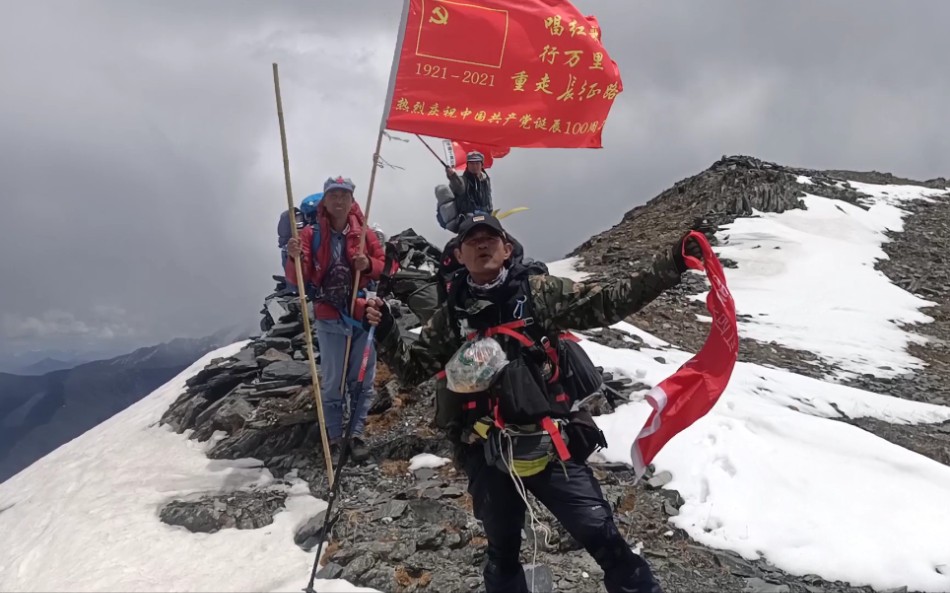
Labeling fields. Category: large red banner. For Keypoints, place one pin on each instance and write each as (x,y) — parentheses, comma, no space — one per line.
(512,73)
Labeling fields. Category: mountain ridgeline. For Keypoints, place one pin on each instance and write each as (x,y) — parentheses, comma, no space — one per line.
(39,413)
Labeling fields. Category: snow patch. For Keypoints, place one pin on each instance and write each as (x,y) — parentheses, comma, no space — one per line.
(427,460)
(85,517)
(805,277)
(770,473)
(567,268)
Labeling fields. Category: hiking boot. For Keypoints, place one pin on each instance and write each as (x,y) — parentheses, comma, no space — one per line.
(359,452)
(334,449)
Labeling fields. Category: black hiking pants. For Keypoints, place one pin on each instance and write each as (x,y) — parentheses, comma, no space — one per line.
(576,500)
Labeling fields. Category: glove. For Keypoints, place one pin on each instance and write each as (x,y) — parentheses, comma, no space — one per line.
(692,249)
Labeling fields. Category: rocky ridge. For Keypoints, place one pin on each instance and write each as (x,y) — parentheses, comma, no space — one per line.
(402,530)
(737,186)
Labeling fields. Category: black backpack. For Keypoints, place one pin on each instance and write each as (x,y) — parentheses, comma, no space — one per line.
(577,373)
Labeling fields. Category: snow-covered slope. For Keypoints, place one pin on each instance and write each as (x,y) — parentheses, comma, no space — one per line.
(85,517)
(768,473)
(807,278)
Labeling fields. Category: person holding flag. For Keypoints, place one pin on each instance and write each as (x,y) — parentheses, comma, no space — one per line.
(509,424)
(472,189)
(529,74)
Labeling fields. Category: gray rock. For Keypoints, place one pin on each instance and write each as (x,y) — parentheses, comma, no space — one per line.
(287,391)
(540,579)
(310,533)
(331,570)
(393,509)
(239,510)
(424,474)
(659,480)
(281,344)
(435,512)
(271,356)
(288,370)
(284,330)
(757,585)
(358,567)
(402,550)
(232,414)
(430,537)
(734,563)
(452,492)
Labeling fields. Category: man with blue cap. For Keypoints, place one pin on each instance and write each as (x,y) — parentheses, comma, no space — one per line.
(329,252)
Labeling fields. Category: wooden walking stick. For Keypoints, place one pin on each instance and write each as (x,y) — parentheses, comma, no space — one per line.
(356,279)
(308,336)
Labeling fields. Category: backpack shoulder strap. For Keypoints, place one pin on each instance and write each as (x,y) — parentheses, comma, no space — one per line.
(315,240)
(450,297)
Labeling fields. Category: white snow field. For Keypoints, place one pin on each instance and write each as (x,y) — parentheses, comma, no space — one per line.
(767,473)
(85,517)
(807,278)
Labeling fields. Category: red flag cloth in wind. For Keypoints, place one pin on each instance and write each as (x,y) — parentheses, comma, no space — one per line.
(456,153)
(694,389)
(513,73)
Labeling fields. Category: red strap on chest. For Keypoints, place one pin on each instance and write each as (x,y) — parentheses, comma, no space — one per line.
(509,328)
(559,445)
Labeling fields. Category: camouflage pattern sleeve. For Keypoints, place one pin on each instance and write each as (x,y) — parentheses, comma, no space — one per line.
(416,361)
(587,305)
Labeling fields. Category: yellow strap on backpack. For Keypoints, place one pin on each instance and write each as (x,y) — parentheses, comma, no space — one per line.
(500,215)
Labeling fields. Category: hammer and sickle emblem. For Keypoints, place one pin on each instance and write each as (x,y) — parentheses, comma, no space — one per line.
(440,16)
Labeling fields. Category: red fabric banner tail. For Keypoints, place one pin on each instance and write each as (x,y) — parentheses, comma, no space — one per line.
(689,393)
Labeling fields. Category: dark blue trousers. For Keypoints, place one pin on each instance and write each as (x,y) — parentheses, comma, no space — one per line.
(576,500)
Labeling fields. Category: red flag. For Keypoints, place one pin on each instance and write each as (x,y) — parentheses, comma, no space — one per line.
(694,389)
(456,153)
(516,73)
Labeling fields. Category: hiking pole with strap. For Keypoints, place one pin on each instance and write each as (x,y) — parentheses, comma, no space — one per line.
(344,457)
(348,437)
(304,313)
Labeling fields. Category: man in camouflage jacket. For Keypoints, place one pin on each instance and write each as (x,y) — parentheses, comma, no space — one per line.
(491,295)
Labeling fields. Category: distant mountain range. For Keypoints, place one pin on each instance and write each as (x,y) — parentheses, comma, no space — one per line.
(47,365)
(49,405)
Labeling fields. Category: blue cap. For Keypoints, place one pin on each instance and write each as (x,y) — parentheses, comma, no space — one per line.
(344,183)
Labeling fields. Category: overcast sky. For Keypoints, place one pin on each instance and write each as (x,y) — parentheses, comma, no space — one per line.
(140,168)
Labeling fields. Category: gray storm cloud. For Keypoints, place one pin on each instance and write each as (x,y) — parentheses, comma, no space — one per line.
(140,165)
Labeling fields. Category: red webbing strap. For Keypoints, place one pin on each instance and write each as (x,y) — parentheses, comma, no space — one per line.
(509,328)
(566,335)
(549,427)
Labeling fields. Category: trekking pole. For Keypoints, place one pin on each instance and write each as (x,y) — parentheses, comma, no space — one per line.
(308,336)
(344,457)
(426,144)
